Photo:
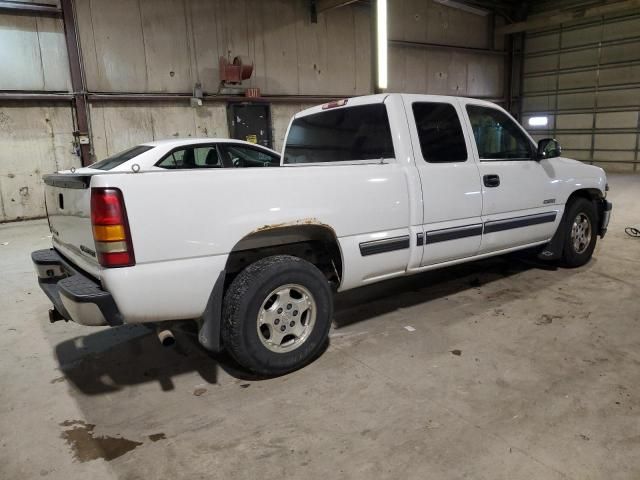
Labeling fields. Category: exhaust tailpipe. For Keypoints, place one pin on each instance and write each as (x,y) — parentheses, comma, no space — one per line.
(166,337)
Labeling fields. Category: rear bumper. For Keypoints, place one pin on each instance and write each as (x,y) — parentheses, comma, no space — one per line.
(74,294)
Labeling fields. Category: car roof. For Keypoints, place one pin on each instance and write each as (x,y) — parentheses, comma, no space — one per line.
(178,142)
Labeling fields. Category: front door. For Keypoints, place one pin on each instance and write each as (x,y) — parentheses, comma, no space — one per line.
(519,203)
(451,194)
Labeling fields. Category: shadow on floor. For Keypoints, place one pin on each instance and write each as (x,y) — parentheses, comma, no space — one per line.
(113,359)
(363,303)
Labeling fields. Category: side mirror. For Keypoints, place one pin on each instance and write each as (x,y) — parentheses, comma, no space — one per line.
(548,148)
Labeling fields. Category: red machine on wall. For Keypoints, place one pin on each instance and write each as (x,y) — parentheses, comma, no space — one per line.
(233,73)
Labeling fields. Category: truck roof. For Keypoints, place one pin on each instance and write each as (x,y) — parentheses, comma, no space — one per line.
(379,98)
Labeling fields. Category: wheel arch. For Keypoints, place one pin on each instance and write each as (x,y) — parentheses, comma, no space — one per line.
(592,194)
(311,240)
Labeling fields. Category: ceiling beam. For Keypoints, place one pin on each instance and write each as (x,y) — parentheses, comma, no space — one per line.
(324,5)
(557,17)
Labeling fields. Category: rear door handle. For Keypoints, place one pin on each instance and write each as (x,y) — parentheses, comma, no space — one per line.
(491,181)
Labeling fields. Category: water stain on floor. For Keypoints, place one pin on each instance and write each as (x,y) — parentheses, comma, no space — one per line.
(85,446)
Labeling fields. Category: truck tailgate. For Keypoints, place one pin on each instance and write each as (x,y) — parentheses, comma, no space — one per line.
(68,203)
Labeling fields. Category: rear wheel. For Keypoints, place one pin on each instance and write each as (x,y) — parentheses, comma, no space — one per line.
(580,235)
(277,314)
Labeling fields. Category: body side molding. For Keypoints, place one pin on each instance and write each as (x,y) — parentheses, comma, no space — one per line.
(384,245)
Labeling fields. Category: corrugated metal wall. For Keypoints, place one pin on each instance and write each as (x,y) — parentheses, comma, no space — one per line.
(586,78)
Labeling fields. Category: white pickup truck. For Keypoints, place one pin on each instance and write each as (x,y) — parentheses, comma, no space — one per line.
(368,189)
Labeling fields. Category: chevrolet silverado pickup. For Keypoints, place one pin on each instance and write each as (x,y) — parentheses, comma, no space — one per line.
(367,189)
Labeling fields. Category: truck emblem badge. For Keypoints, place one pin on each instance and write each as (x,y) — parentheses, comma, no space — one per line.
(548,201)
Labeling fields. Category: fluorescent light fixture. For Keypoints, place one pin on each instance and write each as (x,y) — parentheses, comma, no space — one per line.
(538,121)
(382,44)
(464,7)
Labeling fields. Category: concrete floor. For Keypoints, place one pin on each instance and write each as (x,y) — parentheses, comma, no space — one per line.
(513,372)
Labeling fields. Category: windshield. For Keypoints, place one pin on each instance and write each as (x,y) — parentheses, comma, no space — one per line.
(119,158)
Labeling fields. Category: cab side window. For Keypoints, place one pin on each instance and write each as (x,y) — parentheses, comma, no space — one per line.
(439,132)
(497,136)
(241,156)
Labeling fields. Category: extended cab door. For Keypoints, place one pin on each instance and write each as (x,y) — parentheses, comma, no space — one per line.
(519,203)
(451,195)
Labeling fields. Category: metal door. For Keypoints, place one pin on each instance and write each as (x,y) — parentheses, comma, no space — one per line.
(250,122)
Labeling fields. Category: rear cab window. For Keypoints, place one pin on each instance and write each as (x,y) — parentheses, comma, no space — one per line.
(345,134)
(119,158)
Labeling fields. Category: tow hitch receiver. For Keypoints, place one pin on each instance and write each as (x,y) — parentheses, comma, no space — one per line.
(55,316)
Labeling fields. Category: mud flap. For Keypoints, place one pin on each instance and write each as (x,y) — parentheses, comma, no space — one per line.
(553,249)
(210,322)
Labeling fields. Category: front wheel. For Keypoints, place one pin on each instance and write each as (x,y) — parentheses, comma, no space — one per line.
(277,314)
(580,235)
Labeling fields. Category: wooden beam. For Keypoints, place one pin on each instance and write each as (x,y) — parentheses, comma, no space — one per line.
(324,5)
(557,17)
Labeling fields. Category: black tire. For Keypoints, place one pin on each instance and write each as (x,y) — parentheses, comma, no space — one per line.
(573,256)
(244,301)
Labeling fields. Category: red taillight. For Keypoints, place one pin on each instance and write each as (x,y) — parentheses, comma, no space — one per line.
(111,228)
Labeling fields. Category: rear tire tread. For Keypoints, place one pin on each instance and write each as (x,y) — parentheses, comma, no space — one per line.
(242,293)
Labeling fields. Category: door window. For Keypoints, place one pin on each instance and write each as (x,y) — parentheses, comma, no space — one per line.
(205,156)
(497,136)
(439,132)
(242,156)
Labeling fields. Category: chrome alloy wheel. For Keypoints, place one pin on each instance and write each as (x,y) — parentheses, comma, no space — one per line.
(286,318)
(581,233)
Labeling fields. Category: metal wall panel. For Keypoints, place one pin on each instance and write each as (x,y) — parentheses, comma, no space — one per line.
(112,43)
(119,125)
(586,77)
(429,22)
(33,54)
(431,70)
(168,46)
(428,69)
(36,140)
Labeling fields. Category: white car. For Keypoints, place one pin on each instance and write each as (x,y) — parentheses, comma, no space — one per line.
(186,153)
(368,188)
